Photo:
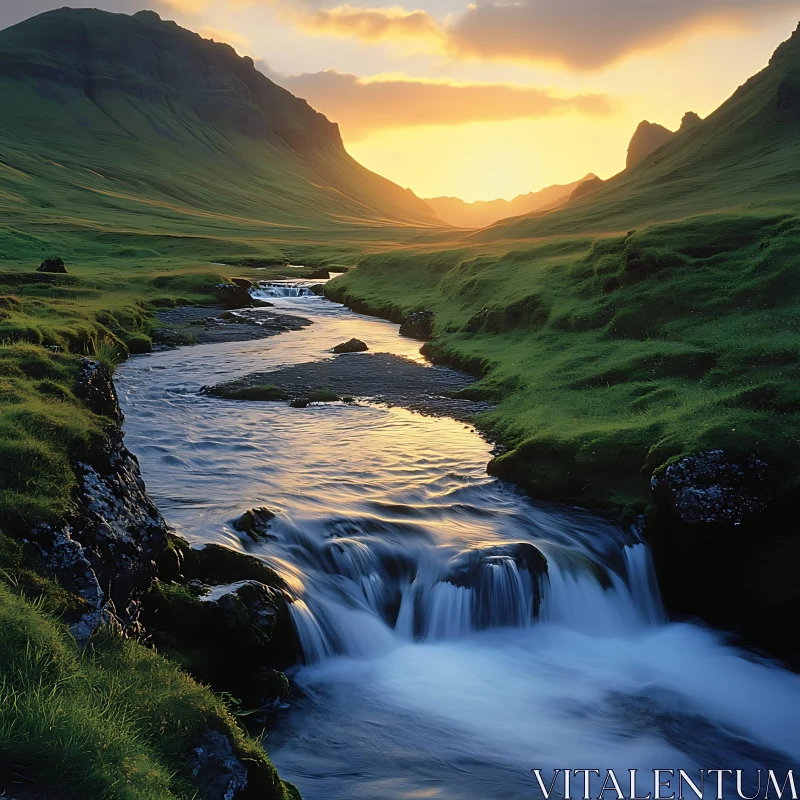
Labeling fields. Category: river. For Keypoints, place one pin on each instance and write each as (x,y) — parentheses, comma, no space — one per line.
(442,660)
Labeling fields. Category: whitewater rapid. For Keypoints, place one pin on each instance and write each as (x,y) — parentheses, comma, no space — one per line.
(456,634)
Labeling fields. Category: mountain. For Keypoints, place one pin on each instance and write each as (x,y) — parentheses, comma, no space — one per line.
(649,136)
(746,153)
(151,130)
(484,212)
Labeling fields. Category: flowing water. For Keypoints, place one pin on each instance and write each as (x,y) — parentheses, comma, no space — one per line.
(456,634)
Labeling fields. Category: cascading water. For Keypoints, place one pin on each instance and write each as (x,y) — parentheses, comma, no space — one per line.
(270,290)
(455,634)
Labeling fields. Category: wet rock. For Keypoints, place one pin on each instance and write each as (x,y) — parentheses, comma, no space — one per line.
(232,296)
(418,325)
(317,289)
(233,636)
(217,771)
(53,265)
(255,523)
(243,283)
(320,274)
(351,346)
(300,402)
(95,387)
(711,488)
(107,550)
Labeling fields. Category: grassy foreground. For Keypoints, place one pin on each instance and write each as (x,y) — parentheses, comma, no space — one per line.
(117,720)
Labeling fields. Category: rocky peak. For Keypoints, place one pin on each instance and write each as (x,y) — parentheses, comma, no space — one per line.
(690,119)
(649,136)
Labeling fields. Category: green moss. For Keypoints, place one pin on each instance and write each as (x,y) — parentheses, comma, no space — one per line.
(323,396)
(139,343)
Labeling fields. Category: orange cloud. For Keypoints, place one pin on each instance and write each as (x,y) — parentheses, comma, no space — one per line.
(577,34)
(229,37)
(362,106)
(369,24)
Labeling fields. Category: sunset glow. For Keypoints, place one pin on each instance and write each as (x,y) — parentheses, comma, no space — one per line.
(490,100)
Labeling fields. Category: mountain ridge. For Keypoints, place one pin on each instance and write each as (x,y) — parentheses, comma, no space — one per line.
(480,213)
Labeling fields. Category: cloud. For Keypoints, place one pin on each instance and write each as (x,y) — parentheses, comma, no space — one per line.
(362,106)
(368,24)
(229,37)
(577,34)
(589,34)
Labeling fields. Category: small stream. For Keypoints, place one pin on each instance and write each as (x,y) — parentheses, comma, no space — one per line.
(456,634)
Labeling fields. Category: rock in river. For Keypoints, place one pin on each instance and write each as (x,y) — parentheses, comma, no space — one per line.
(418,325)
(232,296)
(352,346)
(255,523)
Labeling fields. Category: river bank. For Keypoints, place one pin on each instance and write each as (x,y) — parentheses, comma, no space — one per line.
(402,556)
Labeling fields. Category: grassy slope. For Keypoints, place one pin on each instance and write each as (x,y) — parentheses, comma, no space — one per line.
(114,721)
(117,172)
(612,350)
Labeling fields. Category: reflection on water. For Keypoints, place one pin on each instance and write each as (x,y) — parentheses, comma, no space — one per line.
(403,553)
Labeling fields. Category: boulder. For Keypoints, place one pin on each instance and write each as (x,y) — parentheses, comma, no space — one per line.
(232,296)
(351,346)
(418,325)
(255,523)
(317,289)
(242,283)
(232,636)
(54,265)
(300,402)
(708,488)
(320,274)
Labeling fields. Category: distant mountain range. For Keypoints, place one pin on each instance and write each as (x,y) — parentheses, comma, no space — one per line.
(484,212)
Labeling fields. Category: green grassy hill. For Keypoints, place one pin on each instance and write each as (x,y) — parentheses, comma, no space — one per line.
(131,137)
(655,318)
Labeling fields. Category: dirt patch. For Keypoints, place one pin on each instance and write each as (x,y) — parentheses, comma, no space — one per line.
(379,378)
(210,325)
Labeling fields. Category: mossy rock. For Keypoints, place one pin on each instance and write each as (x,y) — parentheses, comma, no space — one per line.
(139,344)
(264,392)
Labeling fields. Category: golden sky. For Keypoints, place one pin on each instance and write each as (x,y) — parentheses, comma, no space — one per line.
(490,98)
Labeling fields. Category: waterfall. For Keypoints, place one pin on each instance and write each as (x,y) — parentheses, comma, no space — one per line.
(265,291)
(643,583)
(367,595)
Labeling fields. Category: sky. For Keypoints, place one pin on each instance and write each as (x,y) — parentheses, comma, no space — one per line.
(489,98)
